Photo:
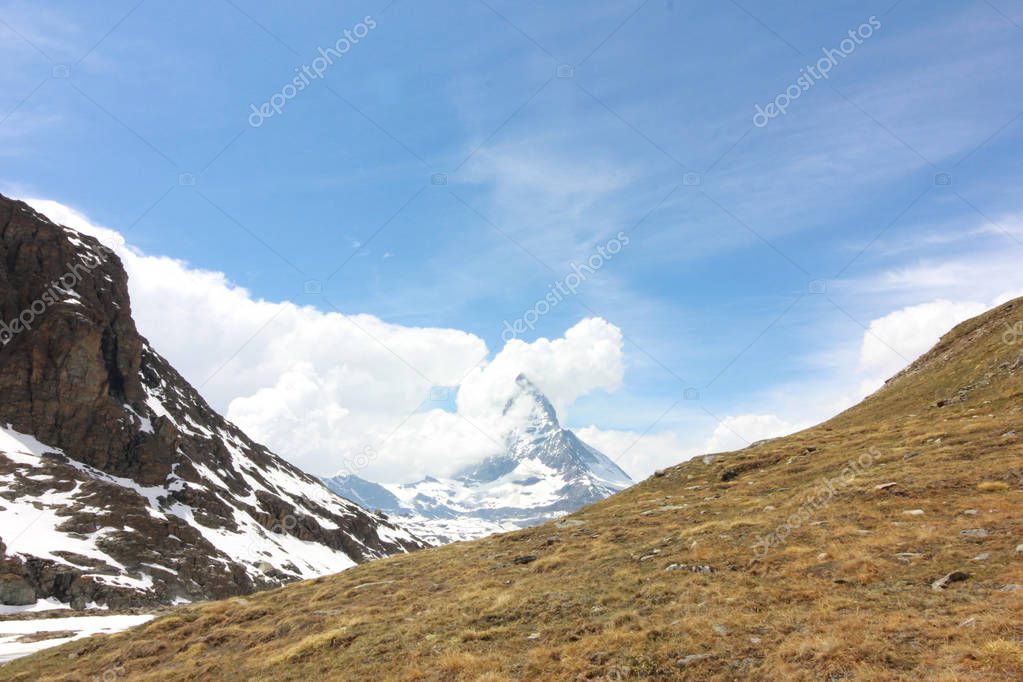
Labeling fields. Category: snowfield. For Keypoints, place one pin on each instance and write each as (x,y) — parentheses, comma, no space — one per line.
(14,632)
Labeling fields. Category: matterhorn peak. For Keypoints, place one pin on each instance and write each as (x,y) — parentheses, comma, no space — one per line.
(543,472)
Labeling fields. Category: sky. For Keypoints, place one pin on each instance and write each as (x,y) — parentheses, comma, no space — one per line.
(693,225)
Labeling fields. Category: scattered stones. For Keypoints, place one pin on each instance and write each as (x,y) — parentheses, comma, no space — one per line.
(982,557)
(907,557)
(1009,434)
(525,559)
(755,641)
(1011,588)
(534,635)
(969,512)
(978,533)
(822,556)
(553,539)
(692,568)
(570,523)
(691,659)
(969,622)
(720,629)
(660,473)
(910,455)
(945,581)
(1019,549)
(809,450)
(769,507)
(885,486)
(914,512)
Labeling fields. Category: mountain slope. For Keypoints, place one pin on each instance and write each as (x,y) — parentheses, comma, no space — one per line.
(544,472)
(119,485)
(882,544)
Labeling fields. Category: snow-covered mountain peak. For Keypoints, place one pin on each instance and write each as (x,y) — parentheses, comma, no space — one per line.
(534,433)
(530,409)
(544,471)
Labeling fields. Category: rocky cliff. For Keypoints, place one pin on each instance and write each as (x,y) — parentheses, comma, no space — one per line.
(119,485)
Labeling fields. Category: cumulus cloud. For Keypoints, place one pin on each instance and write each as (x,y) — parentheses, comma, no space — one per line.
(639,455)
(893,341)
(323,388)
(587,358)
(738,431)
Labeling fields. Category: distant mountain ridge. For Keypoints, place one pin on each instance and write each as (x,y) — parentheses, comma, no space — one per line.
(544,471)
(119,485)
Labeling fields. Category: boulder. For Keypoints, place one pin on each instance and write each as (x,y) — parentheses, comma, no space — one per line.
(946,580)
(16,591)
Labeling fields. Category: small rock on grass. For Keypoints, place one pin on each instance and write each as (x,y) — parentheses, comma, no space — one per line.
(570,523)
(945,581)
(525,559)
(692,568)
(691,659)
(979,533)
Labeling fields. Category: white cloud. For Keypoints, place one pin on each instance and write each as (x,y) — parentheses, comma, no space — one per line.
(893,341)
(555,201)
(639,455)
(320,388)
(589,357)
(736,432)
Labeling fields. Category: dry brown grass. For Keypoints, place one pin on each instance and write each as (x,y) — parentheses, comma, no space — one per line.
(846,595)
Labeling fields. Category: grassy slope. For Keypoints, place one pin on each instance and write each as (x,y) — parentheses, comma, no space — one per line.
(834,601)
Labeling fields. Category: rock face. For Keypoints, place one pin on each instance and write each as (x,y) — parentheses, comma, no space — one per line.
(118,483)
(543,472)
(16,591)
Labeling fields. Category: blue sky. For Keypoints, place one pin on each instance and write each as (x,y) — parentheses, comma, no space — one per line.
(556,126)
